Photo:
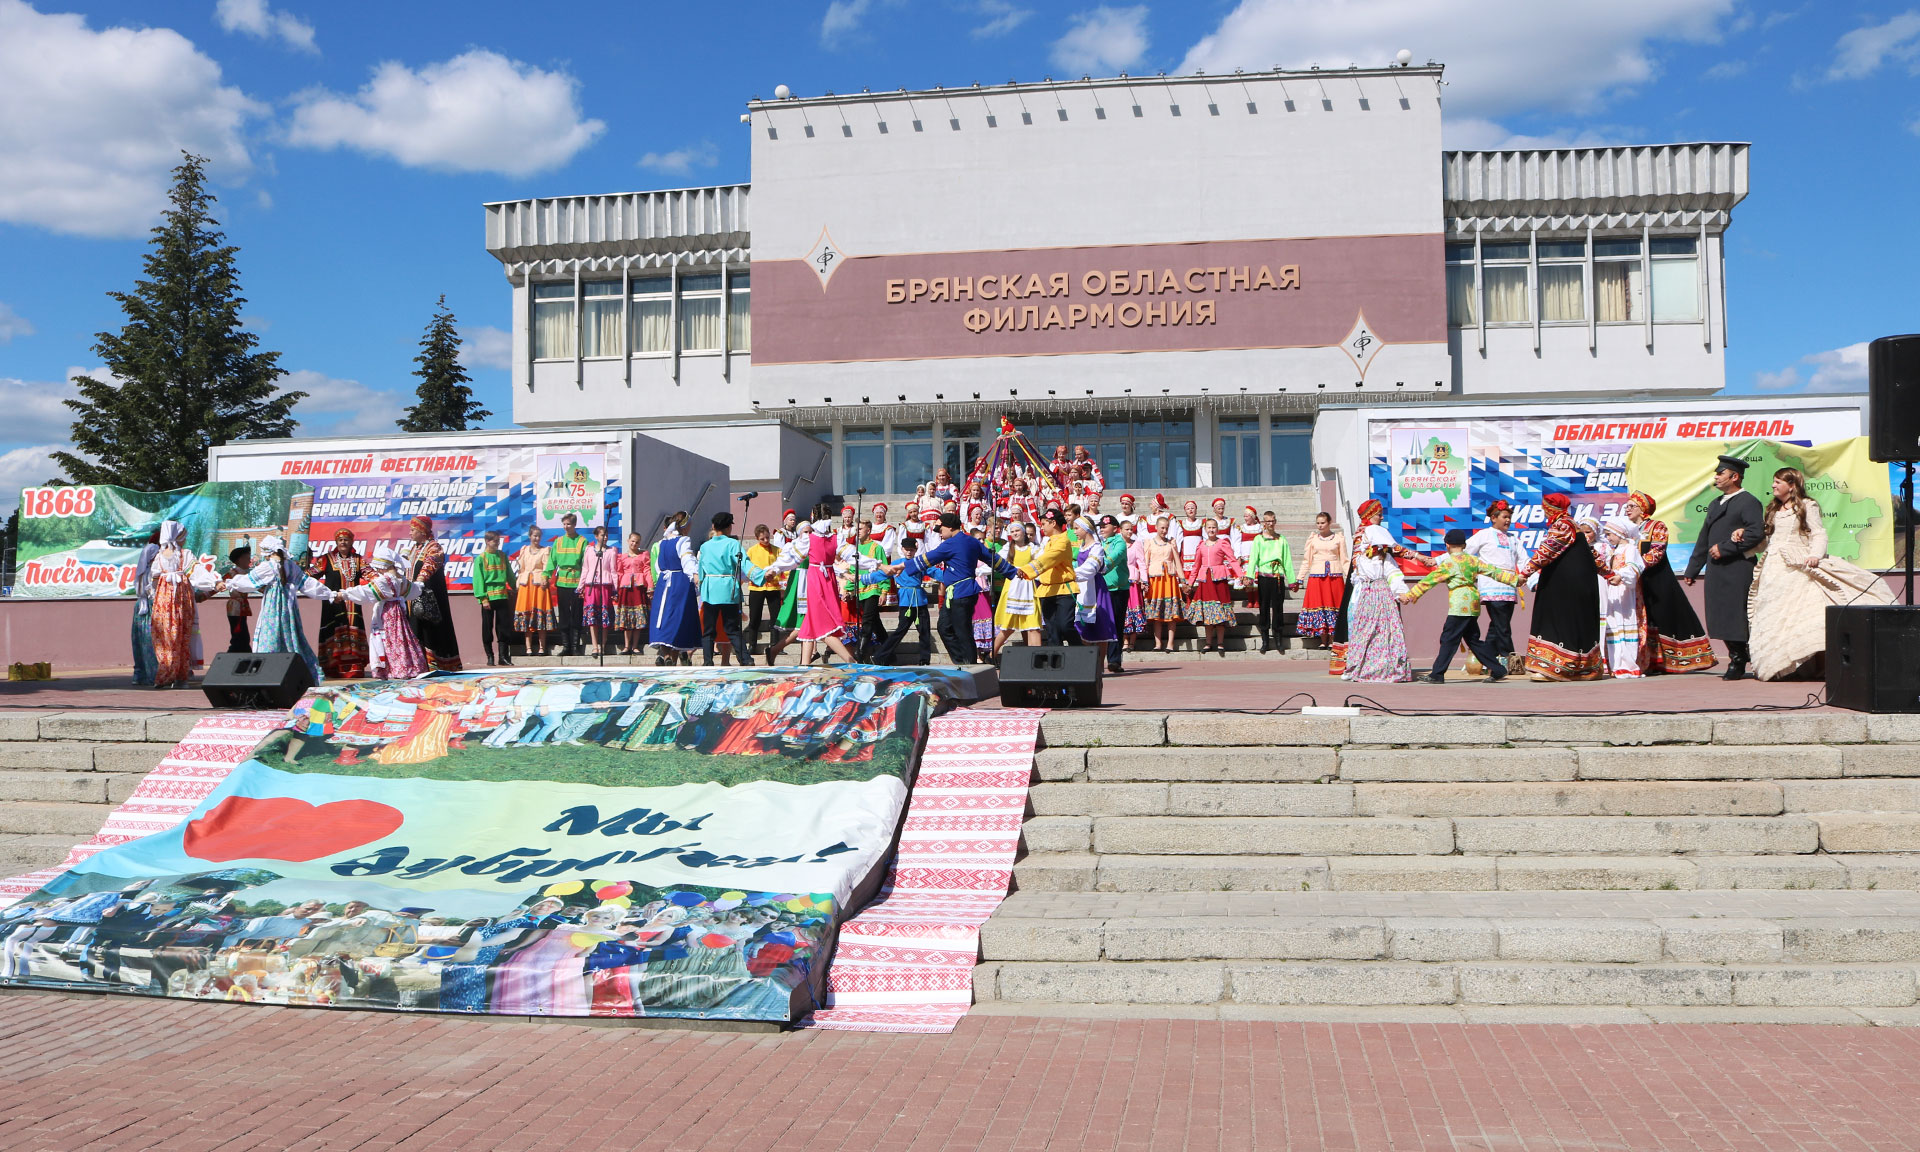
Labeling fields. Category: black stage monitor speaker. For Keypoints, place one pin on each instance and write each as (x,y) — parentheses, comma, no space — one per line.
(1873,657)
(1050,676)
(1893,397)
(249,681)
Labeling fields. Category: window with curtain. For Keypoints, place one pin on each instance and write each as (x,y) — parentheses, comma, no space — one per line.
(653,315)
(739,314)
(1461,312)
(702,313)
(1676,279)
(1503,278)
(553,321)
(1563,291)
(1619,288)
(600,320)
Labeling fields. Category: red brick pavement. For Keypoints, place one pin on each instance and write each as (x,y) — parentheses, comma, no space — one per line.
(125,1073)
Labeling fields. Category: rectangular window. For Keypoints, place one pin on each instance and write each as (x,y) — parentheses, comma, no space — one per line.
(600,323)
(961,449)
(1563,294)
(912,464)
(653,315)
(1676,288)
(1180,462)
(1506,288)
(1146,464)
(1239,453)
(739,311)
(553,321)
(701,313)
(1619,291)
(863,457)
(1113,463)
(1461,312)
(1292,455)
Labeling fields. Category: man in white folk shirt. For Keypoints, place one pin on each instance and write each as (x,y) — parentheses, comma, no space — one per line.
(1500,548)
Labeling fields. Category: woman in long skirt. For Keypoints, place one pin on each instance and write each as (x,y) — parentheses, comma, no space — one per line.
(1622,626)
(432,614)
(394,651)
(279,583)
(1324,561)
(1093,616)
(1376,645)
(343,632)
(1210,603)
(675,627)
(143,657)
(533,604)
(1016,610)
(1565,644)
(1797,582)
(632,581)
(1675,641)
(175,623)
(1163,608)
(1135,620)
(823,620)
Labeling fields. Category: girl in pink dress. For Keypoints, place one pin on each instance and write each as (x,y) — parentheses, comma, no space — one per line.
(824,619)
(1215,567)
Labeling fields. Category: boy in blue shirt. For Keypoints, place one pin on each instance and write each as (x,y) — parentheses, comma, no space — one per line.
(953,562)
(914,606)
(720,591)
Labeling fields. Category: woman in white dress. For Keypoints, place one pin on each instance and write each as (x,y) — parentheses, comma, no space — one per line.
(1796,581)
(1621,624)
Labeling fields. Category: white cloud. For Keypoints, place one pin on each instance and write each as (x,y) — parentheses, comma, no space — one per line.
(336,407)
(1502,56)
(1726,70)
(12,324)
(484,346)
(842,19)
(35,414)
(1103,41)
(999,17)
(1837,370)
(478,112)
(681,161)
(25,467)
(92,122)
(1861,52)
(255,19)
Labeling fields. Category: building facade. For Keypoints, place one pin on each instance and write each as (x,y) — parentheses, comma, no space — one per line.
(1177,272)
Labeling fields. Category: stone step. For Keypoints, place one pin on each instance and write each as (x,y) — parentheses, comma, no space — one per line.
(50,818)
(1083,871)
(20,854)
(1570,798)
(167,728)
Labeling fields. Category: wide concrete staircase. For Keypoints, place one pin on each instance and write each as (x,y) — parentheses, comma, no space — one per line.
(1669,867)
(62,772)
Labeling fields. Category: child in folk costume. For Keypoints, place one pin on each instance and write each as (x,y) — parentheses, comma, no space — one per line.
(1210,606)
(983,614)
(394,651)
(1136,615)
(1621,620)
(1163,608)
(1376,644)
(811,560)
(279,582)
(1323,563)
(1017,610)
(1462,574)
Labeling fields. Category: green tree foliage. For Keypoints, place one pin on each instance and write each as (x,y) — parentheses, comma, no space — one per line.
(444,402)
(188,375)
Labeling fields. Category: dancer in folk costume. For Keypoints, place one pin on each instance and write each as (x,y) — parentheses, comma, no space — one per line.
(675,627)
(426,563)
(1324,562)
(1499,546)
(279,583)
(1622,621)
(632,589)
(598,561)
(1163,607)
(1187,532)
(1730,533)
(177,586)
(1675,641)
(394,651)
(343,631)
(1462,575)
(825,619)
(143,658)
(533,605)
(1136,619)
(1114,580)
(1210,592)
(1370,513)
(1017,610)
(1565,644)
(1376,644)
(1093,615)
(1269,565)
(1797,582)
(789,565)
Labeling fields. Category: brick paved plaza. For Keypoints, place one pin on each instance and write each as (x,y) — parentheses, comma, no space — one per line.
(98,1073)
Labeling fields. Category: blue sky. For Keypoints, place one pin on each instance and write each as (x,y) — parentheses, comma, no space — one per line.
(353,145)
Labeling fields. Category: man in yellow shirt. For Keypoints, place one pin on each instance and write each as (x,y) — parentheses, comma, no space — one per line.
(763,597)
(1054,588)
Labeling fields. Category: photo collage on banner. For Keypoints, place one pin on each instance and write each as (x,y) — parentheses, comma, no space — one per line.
(593,843)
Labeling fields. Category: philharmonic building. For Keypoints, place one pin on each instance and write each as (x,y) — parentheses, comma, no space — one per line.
(1178,272)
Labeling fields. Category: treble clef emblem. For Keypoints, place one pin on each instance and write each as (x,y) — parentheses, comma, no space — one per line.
(825,258)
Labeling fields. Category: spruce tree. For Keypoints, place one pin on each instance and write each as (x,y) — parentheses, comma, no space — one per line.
(445,403)
(189,377)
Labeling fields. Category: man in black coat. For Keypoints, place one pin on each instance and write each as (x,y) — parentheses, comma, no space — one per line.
(1729,561)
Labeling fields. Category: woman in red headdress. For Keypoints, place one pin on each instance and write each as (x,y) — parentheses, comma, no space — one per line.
(1370,513)
(1675,641)
(1565,644)
(432,617)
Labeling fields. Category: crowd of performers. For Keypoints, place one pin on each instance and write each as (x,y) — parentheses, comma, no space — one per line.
(1606,600)
(626,951)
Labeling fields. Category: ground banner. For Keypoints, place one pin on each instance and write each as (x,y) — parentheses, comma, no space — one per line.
(1856,504)
(509,487)
(657,843)
(84,540)
(1433,473)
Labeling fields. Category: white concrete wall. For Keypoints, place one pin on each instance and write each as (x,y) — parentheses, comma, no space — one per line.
(1619,364)
(603,395)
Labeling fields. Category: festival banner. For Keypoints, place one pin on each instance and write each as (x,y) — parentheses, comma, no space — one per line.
(84,540)
(1522,458)
(1856,505)
(508,487)
(592,843)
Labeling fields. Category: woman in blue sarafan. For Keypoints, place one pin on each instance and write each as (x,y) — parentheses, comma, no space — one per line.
(279,583)
(675,627)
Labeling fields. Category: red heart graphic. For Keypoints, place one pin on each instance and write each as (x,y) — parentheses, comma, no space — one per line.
(282,828)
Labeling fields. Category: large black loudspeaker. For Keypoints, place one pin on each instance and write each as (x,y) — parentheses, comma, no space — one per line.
(1050,676)
(1873,657)
(1893,395)
(247,681)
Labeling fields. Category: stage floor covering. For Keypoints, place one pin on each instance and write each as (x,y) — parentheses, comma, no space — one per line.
(100,1072)
(1192,684)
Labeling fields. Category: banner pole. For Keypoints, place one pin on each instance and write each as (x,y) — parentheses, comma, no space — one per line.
(1907,497)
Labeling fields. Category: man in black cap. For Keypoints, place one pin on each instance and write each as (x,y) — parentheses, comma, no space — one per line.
(1729,562)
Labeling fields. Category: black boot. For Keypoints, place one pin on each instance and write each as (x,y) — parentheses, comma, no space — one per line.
(1736,661)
